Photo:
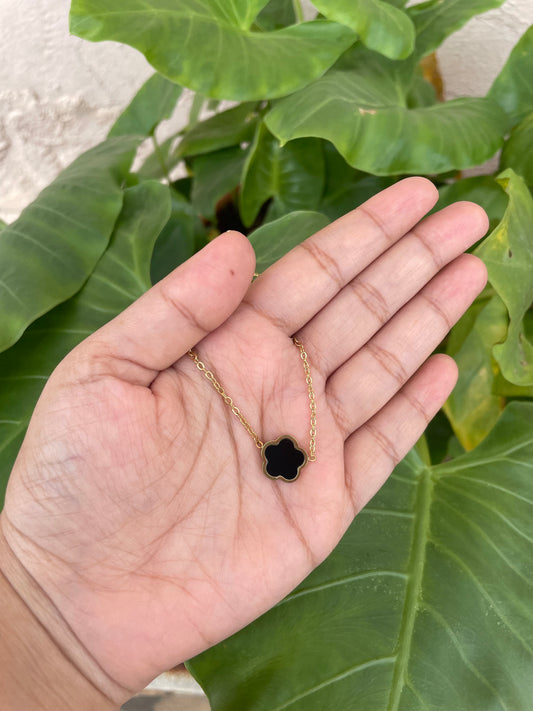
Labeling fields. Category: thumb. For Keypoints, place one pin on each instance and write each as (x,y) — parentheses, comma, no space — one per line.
(161,326)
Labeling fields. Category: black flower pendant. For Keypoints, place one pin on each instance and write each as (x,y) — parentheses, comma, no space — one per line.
(283,459)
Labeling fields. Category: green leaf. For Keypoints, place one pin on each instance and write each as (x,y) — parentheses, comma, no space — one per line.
(274,240)
(483,190)
(276,14)
(48,253)
(207,45)
(121,276)
(423,606)
(508,255)
(182,236)
(293,175)
(472,408)
(380,26)
(3,225)
(513,88)
(518,150)
(223,130)
(215,175)
(361,107)
(437,19)
(154,102)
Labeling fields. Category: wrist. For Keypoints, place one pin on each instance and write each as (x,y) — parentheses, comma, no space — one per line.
(42,664)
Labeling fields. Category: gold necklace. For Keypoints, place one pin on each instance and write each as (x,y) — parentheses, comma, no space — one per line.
(282,458)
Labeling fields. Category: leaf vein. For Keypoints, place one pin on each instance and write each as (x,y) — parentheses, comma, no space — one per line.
(478,584)
(337,677)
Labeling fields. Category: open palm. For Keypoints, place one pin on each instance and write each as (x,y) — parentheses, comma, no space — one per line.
(138,501)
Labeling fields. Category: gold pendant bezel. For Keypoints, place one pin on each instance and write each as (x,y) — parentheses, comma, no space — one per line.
(274,443)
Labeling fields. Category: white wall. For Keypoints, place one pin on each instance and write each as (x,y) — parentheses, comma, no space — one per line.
(59,94)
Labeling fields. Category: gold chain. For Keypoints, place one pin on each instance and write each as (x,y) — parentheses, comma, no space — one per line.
(238,414)
(312,400)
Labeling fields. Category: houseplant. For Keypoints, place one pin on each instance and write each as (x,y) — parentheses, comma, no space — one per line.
(424,604)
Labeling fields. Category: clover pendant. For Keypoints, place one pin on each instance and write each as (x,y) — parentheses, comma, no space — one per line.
(283,459)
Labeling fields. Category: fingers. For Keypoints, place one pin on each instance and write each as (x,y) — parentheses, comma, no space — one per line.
(360,387)
(377,447)
(345,324)
(161,326)
(294,289)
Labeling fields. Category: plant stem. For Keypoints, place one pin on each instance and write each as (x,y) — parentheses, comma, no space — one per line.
(196,108)
(160,158)
(298,11)
(417,561)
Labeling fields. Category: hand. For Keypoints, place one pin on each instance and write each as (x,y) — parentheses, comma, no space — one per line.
(137,502)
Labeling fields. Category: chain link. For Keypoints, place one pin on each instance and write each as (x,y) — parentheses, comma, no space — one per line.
(312,400)
(238,414)
(227,399)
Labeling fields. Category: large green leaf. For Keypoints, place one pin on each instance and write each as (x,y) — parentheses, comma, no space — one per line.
(121,276)
(154,102)
(425,605)
(473,408)
(508,255)
(513,87)
(215,175)
(47,254)
(207,45)
(437,19)
(381,26)
(275,239)
(518,150)
(360,106)
(293,175)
